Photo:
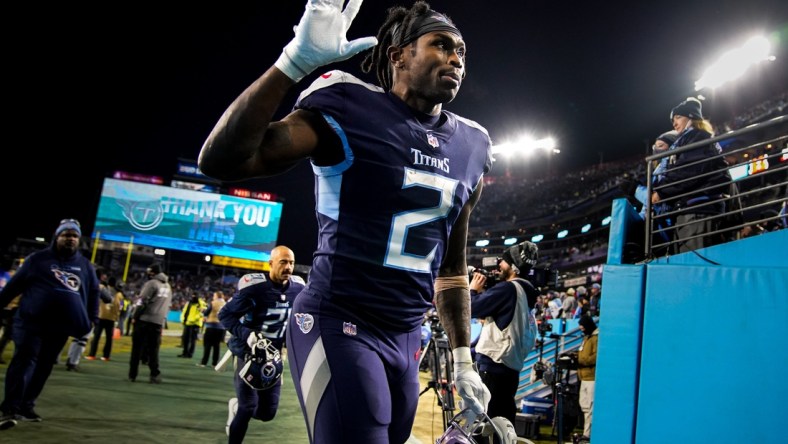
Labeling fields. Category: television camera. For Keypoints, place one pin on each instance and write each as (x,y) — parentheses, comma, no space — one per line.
(539,277)
(567,361)
(542,277)
(489,269)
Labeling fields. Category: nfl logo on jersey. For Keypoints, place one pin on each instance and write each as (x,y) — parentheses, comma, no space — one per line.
(349,329)
(432,140)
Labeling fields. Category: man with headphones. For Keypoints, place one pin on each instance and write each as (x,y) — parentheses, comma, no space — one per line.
(509,331)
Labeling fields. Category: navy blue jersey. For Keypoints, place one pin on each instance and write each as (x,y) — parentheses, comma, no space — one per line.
(260,305)
(386,211)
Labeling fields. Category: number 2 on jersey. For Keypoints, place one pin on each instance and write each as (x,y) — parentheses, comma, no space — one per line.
(396,256)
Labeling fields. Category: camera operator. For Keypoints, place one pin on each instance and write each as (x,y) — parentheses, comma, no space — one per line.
(586,370)
(509,331)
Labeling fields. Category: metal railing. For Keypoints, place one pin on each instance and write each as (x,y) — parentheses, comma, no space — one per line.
(758,155)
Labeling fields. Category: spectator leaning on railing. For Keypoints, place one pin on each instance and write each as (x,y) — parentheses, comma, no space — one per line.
(703,182)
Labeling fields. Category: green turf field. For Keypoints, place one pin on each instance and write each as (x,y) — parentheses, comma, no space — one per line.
(99,405)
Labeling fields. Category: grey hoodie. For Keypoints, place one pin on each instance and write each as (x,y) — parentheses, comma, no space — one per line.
(156,297)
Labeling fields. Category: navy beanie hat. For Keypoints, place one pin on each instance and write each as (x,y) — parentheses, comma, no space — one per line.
(689,108)
(68,224)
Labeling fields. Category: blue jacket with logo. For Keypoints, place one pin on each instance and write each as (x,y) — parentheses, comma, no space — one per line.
(59,294)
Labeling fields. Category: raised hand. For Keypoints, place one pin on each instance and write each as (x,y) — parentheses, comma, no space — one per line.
(321,38)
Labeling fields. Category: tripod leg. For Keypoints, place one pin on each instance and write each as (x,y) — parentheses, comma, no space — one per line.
(560,415)
(448,384)
(432,354)
(428,354)
(436,370)
(425,355)
(555,409)
(442,376)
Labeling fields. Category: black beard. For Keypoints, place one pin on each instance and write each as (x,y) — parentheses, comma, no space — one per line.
(66,251)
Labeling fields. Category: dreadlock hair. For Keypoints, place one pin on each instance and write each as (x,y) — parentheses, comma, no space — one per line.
(400,17)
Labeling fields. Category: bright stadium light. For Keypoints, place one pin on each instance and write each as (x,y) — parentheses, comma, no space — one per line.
(207,258)
(482,243)
(159,251)
(510,241)
(734,63)
(562,234)
(537,238)
(606,221)
(526,145)
(585,228)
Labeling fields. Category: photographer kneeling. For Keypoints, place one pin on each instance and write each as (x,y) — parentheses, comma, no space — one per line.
(509,331)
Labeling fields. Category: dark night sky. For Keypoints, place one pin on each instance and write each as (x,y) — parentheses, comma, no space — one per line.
(134,86)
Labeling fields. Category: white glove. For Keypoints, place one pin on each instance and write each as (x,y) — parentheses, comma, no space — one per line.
(253,338)
(320,38)
(475,395)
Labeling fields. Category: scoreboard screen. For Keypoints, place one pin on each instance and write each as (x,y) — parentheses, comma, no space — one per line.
(188,220)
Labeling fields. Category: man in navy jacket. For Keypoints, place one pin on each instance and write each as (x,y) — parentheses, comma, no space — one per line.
(60,293)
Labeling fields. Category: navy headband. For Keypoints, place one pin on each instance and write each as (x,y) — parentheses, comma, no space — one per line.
(431,22)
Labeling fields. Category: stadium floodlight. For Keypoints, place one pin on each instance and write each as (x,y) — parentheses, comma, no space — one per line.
(562,234)
(207,258)
(159,251)
(482,243)
(537,238)
(510,241)
(735,62)
(606,221)
(526,145)
(585,228)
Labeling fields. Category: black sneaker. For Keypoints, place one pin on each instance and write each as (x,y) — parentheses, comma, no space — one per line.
(7,421)
(28,416)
